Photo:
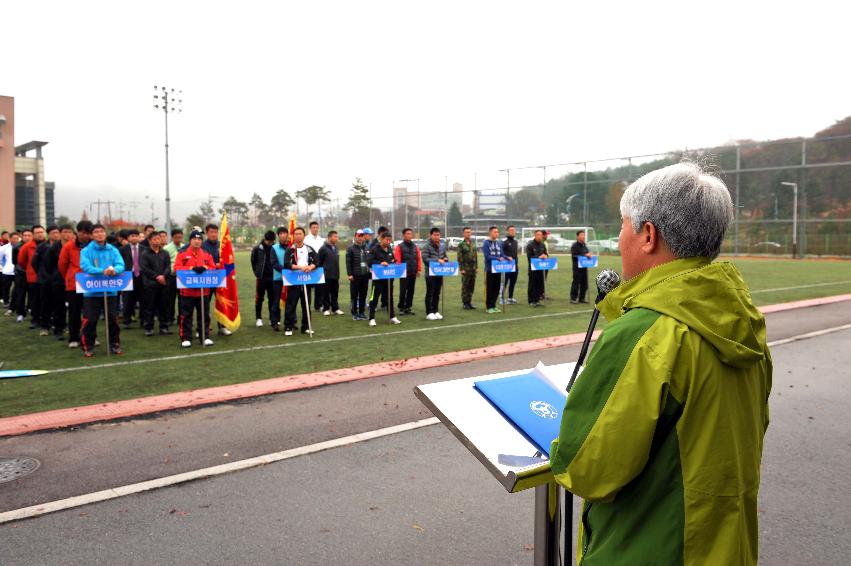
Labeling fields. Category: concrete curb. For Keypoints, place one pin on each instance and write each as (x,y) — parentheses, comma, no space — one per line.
(62,418)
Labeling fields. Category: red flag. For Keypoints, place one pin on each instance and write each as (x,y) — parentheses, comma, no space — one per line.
(290,244)
(227,301)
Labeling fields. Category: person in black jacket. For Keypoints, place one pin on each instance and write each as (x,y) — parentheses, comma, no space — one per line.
(300,257)
(264,263)
(59,312)
(579,285)
(329,260)
(154,267)
(381,254)
(45,272)
(510,249)
(131,253)
(357,271)
(409,253)
(536,249)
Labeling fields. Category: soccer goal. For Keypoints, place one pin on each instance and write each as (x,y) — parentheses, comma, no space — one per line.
(562,237)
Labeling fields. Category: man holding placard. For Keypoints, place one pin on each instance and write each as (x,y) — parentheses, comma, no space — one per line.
(492,250)
(433,250)
(357,272)
(409,253)
(381,255)
(194,258)
(100,258)
(300,257)
(535,249)
(579,286)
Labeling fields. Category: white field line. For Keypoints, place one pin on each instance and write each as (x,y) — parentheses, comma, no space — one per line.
(829,284)
(809,335)
(113,493)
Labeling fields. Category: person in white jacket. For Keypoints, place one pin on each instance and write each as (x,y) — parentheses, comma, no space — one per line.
(315,242)
(7,268)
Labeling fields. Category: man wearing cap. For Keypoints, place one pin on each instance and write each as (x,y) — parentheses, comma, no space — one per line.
(263,261)
(300,257)
(357,272)
(196,259)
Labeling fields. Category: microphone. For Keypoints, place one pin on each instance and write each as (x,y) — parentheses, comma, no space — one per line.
(607,281)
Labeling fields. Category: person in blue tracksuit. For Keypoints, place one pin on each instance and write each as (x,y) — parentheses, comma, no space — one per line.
(100,258)
(492,250)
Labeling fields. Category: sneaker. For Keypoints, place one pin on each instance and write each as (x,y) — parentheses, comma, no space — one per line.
(259,323)
(372,322)
(44,332)
(307,331)
(288,333)
(20,318)
(208,342)
(9,312)
(73,344)
(149,333)
(467,307)
(338,312)
(59,337)
(583,301)
(326,313)
(512,301)
(97,342)
(356,317)
(224,332)
(438,316)
(395,320)
(186,344)
(493,311)
(88,354)
(501,302)
(573,301)
(472,306)
(410,312)
(115,350)
(165,331)
(276,327)
(430,316)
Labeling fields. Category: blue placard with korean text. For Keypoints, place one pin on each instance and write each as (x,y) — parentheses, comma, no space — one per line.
(104,283)
(392,271)
(447,269)
(188,279)
(548,264)
(503,267)
(587,261)
(296,277)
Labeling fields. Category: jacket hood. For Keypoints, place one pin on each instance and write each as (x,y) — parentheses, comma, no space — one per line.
(712,299)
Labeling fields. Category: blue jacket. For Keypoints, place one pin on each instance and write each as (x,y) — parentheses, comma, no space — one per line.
(94,258)
(492,250)
(279,251)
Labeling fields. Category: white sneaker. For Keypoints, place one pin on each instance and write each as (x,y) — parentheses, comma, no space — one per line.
(288,333)
(438,316)
(259,323)
(372,322)
(186,344)
(20,318)
(430,316)
(9,313)
(97,342)
(73,344)
(338,311)
(395,320)
(326,313)
(208,342)
(225,332)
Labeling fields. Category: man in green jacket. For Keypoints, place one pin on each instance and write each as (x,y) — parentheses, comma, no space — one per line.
(663,431)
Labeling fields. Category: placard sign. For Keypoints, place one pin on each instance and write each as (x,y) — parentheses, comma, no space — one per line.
(544,264)
(447,269)
(392,271)
(296,277)
(188,279)
(588,261)
(503,267)
(104,283)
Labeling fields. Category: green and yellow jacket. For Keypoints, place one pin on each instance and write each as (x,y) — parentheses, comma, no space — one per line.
(662,433)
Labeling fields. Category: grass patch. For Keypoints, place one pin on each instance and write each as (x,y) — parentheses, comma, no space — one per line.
(339,341)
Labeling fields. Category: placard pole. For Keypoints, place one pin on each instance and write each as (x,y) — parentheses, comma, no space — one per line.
(307,305)
(203,325)
(106,320)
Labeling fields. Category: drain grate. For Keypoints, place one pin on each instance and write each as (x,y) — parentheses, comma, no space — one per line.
(17,467)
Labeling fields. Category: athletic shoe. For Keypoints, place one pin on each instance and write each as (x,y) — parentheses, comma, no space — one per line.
(493,311)
(573,301)
(395,320)
(338,312)
(583,301)
(308,331)
(430,316)
(97,342)
(472,306)
(410,312)
(186,344)
(438,316)
(88,354)
(356,317)
(165,331)
(20,318)
(288,333)
(73,344)
(259,323)
(372,322)
(149,333)
(208,342)
(115,350)
(501,302)
(276,327)
(44,332)
(326,313)
(9,313)
(59,337)
(467,307)
(224,332)
(512,301)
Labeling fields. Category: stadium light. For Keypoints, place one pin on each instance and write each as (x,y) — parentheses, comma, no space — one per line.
(567,205)
(169,101)
(794,216)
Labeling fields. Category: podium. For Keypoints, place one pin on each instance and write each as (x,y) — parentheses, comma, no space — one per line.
(504,451)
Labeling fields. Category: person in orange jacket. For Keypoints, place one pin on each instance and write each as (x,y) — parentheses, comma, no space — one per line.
(196,259)
(69,266)
(25,257)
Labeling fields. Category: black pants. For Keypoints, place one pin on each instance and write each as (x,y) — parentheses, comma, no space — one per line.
(131,299)
(75,313)
(535,289)
(19,294)
(263,288)
(432,298)
(579,286)
(58,311)
(189,307)
(170,298)
(358,288)
(275,305)
(92,309)
(510,282)
(154,304)
(317,299)
(296,295)
(34,303)
(407,285)
(330,295)
(6,288)
(380,291)
(492,289)
(45,305)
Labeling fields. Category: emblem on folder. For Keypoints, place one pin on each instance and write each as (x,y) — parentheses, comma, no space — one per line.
(543,409)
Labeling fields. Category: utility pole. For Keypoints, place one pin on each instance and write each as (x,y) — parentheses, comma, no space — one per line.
(169,101)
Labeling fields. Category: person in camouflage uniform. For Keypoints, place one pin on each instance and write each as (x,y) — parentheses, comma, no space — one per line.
(468,264)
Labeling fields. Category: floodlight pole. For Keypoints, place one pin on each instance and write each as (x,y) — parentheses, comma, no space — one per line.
(164,98)
(794,216)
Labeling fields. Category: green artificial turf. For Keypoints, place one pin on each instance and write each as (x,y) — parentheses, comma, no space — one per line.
(339,341)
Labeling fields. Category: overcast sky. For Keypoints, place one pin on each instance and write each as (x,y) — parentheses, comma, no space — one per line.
(284,95)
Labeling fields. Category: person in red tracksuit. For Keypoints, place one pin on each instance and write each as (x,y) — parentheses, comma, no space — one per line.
(195,258)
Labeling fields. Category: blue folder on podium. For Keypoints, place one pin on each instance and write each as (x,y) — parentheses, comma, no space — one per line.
(531,402)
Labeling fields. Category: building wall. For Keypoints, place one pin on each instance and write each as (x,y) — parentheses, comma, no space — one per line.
(7,164)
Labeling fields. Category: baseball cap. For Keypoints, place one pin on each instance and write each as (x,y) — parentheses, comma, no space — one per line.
(359,232)
(367,231)
(196,234)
